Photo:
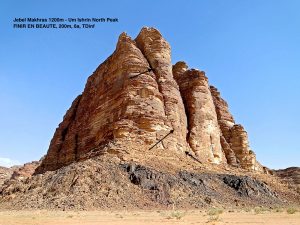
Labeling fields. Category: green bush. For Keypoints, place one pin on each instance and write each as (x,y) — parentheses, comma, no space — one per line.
(215,211)
(291,210)
(176,214)
(259,210)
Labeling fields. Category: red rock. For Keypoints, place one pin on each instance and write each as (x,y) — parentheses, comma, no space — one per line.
(134,98)
(204,132)
(115,113)
(25,171)
(158,53)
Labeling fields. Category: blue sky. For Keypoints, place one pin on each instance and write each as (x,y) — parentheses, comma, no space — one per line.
(249,49)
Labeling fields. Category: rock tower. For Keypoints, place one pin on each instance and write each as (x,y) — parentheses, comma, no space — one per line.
(135,98)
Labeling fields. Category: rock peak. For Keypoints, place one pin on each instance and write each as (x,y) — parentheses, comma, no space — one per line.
(150,30)
(123,36)
(123,39)
(137,99)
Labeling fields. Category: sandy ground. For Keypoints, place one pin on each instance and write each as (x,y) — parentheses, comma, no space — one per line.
(149,217)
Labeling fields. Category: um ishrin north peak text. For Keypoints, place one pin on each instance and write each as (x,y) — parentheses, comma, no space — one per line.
(61,22)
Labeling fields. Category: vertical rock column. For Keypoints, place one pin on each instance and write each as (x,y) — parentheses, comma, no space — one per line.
(234,138)
(203,129)
(141,110)
(240,145)
(226,122)
(157,51)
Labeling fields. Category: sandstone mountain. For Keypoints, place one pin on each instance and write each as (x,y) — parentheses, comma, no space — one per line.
(145,133)
(136,97)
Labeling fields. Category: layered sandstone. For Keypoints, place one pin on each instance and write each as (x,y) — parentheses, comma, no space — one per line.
(204,133)
(158,53)
(119,111)
(134,98)
(234,138)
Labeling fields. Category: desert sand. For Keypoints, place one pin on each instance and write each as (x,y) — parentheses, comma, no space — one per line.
(251,216)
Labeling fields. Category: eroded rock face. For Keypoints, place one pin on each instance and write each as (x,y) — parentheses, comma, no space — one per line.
(240,146)
(158,53)
(234,138)
(134,98)
(204,133)
(119,111)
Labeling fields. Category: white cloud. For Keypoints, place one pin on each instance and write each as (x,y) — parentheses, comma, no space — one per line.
(6,162)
